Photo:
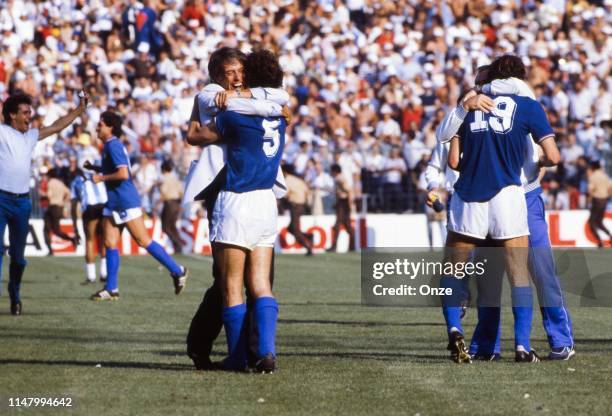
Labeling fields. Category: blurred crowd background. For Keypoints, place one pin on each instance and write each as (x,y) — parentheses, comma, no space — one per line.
(369,81)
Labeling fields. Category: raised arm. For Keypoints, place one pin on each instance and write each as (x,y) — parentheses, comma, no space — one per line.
(63,122)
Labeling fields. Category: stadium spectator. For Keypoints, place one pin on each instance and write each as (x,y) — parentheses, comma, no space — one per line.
(599,191)
(349,65)
(171,192)
(298,194)
(58,195)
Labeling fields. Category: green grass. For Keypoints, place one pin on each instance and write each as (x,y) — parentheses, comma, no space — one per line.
(335,356)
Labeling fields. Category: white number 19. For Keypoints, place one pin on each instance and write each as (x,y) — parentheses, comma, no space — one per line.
(500,119)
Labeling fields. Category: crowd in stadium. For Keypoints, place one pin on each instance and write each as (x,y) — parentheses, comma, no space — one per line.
(369,80)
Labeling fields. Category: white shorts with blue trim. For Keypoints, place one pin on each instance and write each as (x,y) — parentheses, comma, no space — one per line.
(502,217)
(121,217)
(245,219)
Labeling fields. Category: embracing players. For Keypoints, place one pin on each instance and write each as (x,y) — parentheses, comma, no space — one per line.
(489,201)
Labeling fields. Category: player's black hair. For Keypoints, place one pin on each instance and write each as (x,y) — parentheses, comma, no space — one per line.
(507,66)
(262,69)
(11,105)
(219,58)
(167,166)
(113,120)
(595,164)
(335,168)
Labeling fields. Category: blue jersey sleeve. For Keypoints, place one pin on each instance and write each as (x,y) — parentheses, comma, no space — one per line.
(117,154)
(537,122)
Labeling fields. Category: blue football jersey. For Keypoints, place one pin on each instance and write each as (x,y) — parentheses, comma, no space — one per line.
(122,195)
(494,145)
(254,150)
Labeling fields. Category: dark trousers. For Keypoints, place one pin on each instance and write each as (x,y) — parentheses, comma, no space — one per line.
(15,212)
(295,211)
(169,216)
(207,322)
(52,218)
(343,219)
(598,211)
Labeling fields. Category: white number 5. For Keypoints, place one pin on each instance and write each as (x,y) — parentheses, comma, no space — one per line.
(271,138)
(500,119)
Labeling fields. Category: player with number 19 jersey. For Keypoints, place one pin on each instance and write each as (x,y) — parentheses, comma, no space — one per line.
(245,212)
(494,145)
(489,200)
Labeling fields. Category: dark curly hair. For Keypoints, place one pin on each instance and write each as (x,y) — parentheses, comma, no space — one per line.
(507,66)
(113,120)
(11,105)
(262,69)
(219,58)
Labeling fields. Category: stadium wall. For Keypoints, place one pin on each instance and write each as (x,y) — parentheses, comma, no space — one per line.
(567,229)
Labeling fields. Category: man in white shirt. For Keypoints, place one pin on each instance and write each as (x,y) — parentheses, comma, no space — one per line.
(17,143)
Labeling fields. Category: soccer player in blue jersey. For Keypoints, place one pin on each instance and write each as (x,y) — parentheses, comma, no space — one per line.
(123,209)
(244,218)
(555,316)
(207,176)
(556,319)
(17,142)
(489,201)
(92,198)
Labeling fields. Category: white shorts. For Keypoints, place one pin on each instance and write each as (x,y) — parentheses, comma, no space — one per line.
(245,219)
(121,217)
(502,217)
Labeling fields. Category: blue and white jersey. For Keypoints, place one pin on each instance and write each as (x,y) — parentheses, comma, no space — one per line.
(254,150)
(87,192)
(494,145)
(122,195)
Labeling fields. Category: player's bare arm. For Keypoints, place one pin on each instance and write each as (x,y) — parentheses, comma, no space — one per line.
(454,153)
(121,174)
(198,135)
(551,156)
(63,122)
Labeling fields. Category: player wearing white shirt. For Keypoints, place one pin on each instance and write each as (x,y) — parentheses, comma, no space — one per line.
(17,143)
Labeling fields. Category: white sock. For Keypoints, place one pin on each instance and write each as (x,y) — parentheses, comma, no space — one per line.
(454,329)
(521,348)
(90,270)
(103,267)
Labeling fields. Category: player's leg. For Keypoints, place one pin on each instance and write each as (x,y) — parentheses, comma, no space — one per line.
(231,261)
(18,224)
(265,307)
(112,235)
(555,316)
(486,341)
(89,226)
(99,241)
(516,259)
(207,322)
(139,232)
(169,216)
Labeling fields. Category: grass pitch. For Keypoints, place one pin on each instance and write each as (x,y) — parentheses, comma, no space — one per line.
(335,356)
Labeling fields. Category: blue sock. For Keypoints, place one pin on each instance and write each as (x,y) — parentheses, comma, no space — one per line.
(486,339)
(112,269)
(236,335)
(451,304)
(164,258)
(14,285)
(266,316)
(522,309)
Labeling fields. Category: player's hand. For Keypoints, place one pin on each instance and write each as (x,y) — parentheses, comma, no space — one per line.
(88,165)
(221,100)
(432,196)
(479,102)
(287,115)
(96,178)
